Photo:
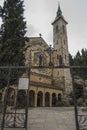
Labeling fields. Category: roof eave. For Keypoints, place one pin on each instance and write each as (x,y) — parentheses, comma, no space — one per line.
(58,19)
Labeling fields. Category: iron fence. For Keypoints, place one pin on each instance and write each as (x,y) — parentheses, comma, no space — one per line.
(14,113)
(79,80)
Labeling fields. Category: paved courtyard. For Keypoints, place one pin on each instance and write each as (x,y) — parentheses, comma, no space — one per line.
(54,118)
(57,118)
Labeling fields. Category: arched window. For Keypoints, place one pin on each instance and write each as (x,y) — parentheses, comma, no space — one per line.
(59,97)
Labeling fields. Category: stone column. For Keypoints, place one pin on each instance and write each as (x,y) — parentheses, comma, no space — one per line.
(43,100)
(56,96)
(50,100)
(35,100)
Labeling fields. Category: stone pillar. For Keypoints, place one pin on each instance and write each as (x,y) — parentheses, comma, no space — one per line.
(35,100)
(43,100)
(50,100)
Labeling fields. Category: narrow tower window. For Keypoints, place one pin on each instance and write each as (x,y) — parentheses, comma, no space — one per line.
(56,29)
(65,57)
(63,29)
(60,60)
(64,42)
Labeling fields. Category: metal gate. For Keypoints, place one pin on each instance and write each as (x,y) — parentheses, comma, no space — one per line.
(15,89)
(80,96)
(15,86)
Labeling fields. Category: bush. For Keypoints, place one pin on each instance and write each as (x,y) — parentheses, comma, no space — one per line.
(71,102)
(60,103)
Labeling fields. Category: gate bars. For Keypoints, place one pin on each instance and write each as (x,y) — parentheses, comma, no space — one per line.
(12,116)
(80,96)
(16,118)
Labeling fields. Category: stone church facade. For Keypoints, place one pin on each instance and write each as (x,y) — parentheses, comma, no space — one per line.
(48,84)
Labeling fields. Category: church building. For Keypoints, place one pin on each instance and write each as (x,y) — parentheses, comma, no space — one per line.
(49,85)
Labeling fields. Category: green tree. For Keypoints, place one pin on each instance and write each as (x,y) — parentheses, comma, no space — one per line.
(78,90)
(12,33)
(84,56)
(77,59)
(71,60)
(80,59)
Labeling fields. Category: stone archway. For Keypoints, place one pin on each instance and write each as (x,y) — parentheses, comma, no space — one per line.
(31,98)
(54,100)
(21,98)
(39,99)
(47,99)
(59,97)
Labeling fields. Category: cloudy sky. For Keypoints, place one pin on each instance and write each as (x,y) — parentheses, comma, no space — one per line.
(40,14)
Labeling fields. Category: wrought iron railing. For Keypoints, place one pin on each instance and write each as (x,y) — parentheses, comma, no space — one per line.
(13,114)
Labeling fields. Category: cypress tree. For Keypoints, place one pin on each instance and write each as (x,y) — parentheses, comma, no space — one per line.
(12,33)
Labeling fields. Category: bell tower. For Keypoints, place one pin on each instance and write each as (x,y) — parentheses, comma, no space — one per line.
(60,42)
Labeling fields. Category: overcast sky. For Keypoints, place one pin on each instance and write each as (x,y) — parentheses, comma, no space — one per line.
(40,14)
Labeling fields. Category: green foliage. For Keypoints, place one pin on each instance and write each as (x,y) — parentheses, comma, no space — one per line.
(80,59)
(78,90)
(78,93)
(60,103)
(71,102)
(71,60)
(12,33)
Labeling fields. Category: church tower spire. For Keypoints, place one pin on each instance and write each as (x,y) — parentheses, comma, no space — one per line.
(59,12)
